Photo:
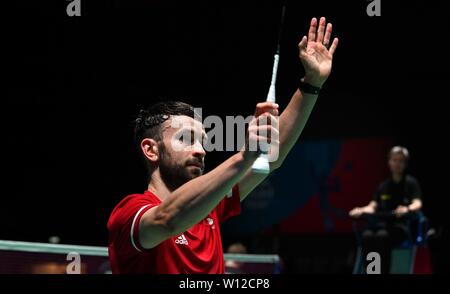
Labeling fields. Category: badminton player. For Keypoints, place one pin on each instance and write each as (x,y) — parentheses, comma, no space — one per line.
(174,226)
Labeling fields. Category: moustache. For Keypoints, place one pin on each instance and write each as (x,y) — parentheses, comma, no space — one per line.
(197,163)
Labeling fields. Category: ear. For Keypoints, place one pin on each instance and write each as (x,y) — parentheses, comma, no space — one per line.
(150,149)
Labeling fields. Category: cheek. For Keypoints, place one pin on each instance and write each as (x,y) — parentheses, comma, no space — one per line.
(180,158)
(178,146)
(177,158)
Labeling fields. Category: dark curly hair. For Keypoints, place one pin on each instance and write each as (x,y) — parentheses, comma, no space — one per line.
(148,123)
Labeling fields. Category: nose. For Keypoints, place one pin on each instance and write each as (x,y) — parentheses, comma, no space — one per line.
(198,150)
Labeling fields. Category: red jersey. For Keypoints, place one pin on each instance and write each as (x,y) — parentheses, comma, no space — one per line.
(198,250)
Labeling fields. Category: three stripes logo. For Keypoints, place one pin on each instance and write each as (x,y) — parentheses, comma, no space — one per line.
(181,240)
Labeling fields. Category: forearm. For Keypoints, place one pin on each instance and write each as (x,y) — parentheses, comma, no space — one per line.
(416,205)
(292,122)
(371,207)
(372,204)
(193,201)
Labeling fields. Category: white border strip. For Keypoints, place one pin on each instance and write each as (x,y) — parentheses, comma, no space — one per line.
(132,227)
(52,248)
(103,251)
(252,258)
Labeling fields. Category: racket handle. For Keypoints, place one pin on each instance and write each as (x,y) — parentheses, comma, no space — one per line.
(261,164)
(271,94)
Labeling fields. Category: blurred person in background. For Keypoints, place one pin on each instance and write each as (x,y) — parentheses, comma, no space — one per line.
(398,196)
(233,266)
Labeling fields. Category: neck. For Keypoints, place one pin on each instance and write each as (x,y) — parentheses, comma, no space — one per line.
(397,177)
(157,186)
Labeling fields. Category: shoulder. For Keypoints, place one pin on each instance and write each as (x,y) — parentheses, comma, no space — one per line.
(129,206)
(385,184)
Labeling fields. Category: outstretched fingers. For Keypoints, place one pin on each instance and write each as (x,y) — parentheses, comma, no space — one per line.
(326,39)
(333,46)
(312,30)
(321,30)
(303,44)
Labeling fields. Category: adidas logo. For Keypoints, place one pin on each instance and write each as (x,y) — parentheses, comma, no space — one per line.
(211,222)
(181,240)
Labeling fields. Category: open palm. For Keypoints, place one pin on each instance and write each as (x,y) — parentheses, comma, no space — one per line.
(314,53)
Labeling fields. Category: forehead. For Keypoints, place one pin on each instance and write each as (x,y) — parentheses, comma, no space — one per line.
(178,122)
(398,155)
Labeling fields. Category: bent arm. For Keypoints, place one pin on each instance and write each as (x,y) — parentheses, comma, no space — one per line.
(191,202)
(317,61)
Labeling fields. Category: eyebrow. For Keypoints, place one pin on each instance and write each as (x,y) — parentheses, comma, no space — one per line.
(192,130)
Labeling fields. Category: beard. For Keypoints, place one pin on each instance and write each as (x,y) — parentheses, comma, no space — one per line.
(174,174)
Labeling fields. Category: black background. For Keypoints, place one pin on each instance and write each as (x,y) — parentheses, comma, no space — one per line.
(73,85)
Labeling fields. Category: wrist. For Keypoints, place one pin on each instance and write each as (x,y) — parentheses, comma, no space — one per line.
(315,82)
(307,88)
(247,157)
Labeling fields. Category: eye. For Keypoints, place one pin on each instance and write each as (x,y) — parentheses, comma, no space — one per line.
(192,138)
(187,137)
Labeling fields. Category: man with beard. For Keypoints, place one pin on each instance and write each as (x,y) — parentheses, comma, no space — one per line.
(174,226)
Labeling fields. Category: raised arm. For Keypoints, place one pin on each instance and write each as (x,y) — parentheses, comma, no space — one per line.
(316,55)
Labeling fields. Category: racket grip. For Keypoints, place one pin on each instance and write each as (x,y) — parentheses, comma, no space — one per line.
(271,94)
(261,164)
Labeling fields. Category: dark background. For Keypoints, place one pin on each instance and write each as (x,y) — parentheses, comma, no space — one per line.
(74,85)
